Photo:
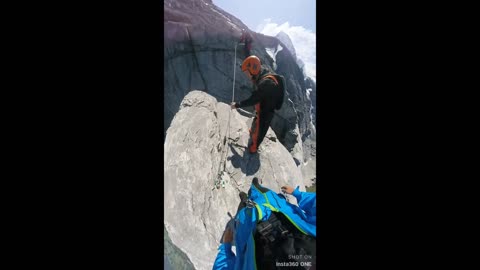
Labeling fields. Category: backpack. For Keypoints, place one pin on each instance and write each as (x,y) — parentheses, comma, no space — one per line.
(279,243)
(280,82)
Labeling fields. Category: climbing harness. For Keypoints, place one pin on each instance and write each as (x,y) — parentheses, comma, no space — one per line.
(250,204)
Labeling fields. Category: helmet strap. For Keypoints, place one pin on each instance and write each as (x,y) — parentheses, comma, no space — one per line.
(254,77)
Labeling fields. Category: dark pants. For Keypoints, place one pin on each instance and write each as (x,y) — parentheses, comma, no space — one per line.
(261,123)
(265,120)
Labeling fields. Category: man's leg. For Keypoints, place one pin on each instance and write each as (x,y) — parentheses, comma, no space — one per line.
(265,120)
(242,204)
(253,147)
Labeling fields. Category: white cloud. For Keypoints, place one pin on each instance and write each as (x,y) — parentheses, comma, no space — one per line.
(304,41)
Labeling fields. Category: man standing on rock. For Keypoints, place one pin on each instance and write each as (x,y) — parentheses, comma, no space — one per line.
(267,97)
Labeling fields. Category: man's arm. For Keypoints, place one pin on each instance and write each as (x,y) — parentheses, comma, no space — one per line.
(255,98)
(265,89)
(307,201)
(225,257)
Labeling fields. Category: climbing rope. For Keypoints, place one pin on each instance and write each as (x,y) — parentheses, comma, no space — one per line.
(234,69)
(249,113)
(219,180)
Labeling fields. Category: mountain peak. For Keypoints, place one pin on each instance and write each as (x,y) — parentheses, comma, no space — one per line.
(285,39)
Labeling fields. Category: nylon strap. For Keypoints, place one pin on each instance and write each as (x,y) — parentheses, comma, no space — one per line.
(271,77)
(260,213)
(271,207)
(291,221)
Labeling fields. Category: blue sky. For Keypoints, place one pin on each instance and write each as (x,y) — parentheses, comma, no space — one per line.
(253,12)
(297,18)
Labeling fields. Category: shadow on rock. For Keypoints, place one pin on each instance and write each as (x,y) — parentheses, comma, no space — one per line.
(248,163)
(236,159)
(253,164)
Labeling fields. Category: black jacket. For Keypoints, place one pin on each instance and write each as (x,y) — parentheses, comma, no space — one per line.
(268,94)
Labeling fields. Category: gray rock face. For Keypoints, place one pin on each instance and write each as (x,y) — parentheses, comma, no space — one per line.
(173,257)
(207,139)
(200,53)
(313,97)
(309,169)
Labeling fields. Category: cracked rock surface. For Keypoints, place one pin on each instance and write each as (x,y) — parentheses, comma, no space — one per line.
(195,156)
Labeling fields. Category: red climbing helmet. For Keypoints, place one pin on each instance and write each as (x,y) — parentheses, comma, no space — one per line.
(252,64)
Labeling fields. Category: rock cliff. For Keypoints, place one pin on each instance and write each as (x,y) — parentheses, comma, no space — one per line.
(200,53)
(206,143)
